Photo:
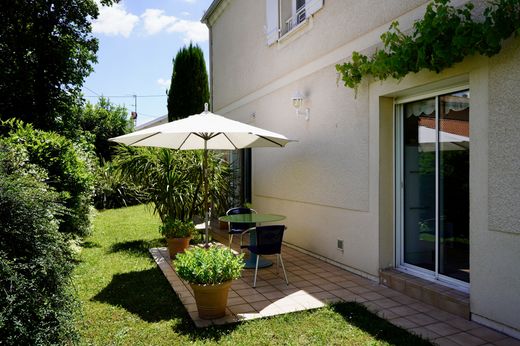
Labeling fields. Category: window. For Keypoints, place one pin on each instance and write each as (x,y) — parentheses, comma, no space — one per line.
(285,15)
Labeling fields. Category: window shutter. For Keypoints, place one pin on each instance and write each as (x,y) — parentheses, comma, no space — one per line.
(272,21)
(312,6)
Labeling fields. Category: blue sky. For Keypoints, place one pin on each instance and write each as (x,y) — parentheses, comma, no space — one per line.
(137,42)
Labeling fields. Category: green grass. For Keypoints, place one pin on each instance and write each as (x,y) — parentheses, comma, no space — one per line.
(127,301)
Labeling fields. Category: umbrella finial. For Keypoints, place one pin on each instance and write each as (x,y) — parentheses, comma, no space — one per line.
(206,107)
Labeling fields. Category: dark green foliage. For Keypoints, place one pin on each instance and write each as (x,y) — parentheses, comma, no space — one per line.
(102,121)
(68,170)
(37,304)
(189,89)
(112,190)
(46,53)
(444,37)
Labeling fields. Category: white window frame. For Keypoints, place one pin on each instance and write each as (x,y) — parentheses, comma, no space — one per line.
(290,25)
(399,197)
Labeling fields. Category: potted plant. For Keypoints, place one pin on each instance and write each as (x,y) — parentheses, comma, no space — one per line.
(177,233)
(210,273)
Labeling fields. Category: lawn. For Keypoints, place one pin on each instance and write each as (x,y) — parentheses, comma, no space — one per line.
(127,301)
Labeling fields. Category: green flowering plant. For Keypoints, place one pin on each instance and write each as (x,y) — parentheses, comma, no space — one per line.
(173,228)
(209,266)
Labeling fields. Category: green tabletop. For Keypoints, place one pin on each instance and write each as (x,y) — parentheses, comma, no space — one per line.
(251,218)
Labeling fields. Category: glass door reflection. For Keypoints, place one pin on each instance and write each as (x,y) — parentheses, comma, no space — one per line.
(435,177)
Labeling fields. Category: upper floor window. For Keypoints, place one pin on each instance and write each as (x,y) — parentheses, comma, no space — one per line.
(285,15)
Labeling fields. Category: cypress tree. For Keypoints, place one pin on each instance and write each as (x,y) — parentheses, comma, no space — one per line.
(189,88)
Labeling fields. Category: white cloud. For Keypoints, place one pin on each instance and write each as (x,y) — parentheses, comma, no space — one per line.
(193,31)
(114,20)
(185,13)
(164,82)
(190,1)
(156,21)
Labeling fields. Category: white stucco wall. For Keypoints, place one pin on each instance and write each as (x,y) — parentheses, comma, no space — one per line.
(495,242)
(321,182)
(244,63)
(328,184)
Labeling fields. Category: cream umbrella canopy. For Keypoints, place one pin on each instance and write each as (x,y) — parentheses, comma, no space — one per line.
(204,131)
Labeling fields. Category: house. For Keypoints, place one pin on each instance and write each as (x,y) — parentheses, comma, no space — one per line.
(419,175)
(154,122)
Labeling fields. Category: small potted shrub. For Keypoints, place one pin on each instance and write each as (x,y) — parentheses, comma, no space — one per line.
(210,273)
(178,234)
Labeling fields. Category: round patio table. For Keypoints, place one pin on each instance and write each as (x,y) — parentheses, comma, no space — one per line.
(250,263)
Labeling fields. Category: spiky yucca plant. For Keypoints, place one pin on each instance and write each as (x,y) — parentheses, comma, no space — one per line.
(172,179)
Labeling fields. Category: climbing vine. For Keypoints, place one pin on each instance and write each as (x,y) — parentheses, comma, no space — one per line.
(443,37)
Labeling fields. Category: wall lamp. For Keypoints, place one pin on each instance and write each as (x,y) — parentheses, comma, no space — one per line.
(297,101)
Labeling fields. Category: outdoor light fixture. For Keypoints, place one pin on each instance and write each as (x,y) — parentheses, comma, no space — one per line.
(297,101)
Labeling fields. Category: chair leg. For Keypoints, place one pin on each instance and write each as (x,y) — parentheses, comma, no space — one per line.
(283,267)
(256,270)
(230,239)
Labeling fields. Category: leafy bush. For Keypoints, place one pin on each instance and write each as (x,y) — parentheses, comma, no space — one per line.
(172,228)
(209,266)
(112,190)
(35,260)
(69,172)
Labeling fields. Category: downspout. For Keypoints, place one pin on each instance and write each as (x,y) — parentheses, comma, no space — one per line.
(210,48)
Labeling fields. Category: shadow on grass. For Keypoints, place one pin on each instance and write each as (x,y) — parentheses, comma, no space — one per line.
(213,333)
(90,245)
(137,247)
(358,315)
(144,293)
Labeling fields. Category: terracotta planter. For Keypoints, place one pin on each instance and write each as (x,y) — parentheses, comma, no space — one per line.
(211,299)
(177,245)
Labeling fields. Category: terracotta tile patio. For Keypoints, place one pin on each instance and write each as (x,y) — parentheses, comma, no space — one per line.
(314,283)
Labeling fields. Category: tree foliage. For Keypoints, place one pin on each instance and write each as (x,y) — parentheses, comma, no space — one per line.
(102,121)
(444,37)
(189,88)
(46,52)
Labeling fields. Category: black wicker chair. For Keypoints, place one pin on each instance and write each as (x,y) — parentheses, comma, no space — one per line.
(239,228)
(267,241)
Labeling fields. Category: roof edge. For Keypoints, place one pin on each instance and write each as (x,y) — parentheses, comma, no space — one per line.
(209,11)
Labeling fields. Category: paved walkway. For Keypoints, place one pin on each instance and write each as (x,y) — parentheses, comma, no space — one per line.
(314,283)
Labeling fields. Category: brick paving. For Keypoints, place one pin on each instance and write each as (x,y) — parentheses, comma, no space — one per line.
(314,283)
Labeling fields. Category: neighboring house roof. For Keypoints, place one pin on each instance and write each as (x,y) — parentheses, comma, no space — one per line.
(453,126)
(210,11)
(157,121)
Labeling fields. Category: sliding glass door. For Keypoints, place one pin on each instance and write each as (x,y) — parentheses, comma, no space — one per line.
(433,164)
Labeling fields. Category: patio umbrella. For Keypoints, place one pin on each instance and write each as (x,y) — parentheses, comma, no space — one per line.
(204,131)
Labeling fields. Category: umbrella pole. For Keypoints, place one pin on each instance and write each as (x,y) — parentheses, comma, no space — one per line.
(205,181)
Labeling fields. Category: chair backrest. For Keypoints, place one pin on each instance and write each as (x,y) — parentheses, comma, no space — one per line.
(240,210)
(269,239)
